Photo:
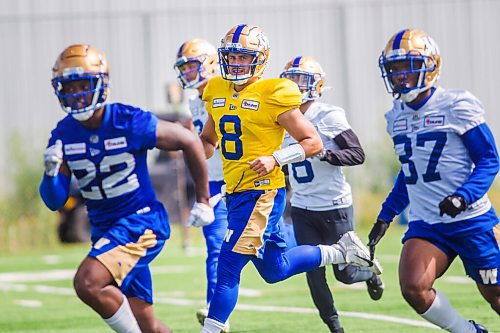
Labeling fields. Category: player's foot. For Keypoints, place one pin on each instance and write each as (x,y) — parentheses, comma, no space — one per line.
(479,328)
(202,313)
(354,251)
(375,287)
(340,330)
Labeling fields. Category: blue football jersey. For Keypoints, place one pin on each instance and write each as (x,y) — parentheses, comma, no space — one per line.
(109,162)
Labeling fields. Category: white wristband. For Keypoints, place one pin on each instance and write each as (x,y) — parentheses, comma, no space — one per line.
(290,154)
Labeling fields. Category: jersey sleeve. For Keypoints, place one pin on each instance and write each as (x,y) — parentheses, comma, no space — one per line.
(207,95)
(144,129)
(283,95)
(467,112)
(333,123)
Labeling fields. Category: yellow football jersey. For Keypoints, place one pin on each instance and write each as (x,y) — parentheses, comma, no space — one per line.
(247,127)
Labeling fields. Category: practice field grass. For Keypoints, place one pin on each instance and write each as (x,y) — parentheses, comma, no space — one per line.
(37,295)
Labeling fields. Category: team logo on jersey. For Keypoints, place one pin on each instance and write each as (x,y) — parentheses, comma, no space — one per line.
(249,104)
(400,125)
(218,102)
(489,276)
(94,138)
(433,121)
(94,152)
(115,143)
(261,182)
(75,148)
(101,242)
(232,107)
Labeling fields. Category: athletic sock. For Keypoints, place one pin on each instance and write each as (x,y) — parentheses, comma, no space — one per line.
(331,254)
(442,314)
(123,321)
(212,326)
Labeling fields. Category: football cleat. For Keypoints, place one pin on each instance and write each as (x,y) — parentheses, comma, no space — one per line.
(479,328)
(377,267)
(354,251)
(375,287)
(202,313)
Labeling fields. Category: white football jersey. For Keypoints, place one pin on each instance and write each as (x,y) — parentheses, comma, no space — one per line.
(318,185)
(200,117)
(433,157)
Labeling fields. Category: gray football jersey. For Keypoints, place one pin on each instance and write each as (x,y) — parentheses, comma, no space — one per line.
(318,185)
(433,157)
(200,117)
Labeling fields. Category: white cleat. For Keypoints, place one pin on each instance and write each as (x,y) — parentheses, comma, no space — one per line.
(354,251)
(202,313)
(376,267)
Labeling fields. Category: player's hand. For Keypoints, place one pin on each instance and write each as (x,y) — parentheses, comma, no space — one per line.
(321,155)
(377,232)
(263,165)
(223,193)
(201,215)
(53,158)
(452,205)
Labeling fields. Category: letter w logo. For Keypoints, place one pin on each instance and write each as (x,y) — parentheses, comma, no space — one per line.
(489,276)
(228,235)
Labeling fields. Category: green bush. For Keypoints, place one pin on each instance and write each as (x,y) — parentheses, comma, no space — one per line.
(25,222)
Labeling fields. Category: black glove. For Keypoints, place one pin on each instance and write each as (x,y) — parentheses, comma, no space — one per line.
(452,205)
(377,232)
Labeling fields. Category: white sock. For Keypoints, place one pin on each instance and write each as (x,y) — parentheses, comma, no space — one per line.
(330,254)
(212,326)
(442,314)
(123,321)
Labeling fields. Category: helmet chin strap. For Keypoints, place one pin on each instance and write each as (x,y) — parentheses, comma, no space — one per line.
(83,116)
(412,95)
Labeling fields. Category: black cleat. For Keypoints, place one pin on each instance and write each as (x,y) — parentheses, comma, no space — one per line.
(375,287)
(479,328)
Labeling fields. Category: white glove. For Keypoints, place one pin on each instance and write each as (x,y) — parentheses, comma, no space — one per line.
(53,158)
(200,215)
(223,193)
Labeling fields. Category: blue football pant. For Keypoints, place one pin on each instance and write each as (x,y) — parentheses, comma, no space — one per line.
(276,265)
(214,236)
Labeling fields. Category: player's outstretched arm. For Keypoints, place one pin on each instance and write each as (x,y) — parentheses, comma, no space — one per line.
(208,137)
(301,129)
(172,136)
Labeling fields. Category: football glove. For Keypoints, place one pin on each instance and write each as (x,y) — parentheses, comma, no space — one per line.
(378,231)
(53,158)
(223,193)
(201,215)
(452,205)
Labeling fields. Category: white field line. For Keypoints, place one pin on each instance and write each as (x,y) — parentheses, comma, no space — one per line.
(240,307)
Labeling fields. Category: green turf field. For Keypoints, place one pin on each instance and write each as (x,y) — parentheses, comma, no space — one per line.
(37,295)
